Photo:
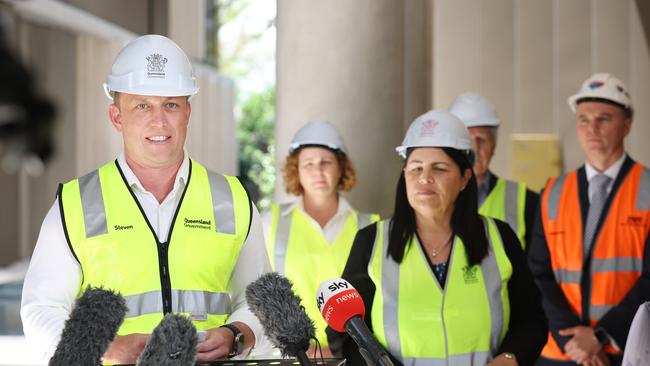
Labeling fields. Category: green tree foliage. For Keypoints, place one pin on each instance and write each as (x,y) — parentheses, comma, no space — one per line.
(236,57)
(256,146)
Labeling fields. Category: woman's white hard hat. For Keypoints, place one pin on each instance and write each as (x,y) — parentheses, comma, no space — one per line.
(318,133)
(436,128)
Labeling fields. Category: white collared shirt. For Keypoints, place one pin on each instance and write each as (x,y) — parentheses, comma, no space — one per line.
(611,172)
(331,229)
(54,275)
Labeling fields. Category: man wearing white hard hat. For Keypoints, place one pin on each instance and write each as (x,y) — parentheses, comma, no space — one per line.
(590,251)
(500,198)
(442,284)
(309,238)
(153,225)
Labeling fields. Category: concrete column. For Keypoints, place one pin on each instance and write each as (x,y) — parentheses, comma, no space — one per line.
(529,56)
(211,136)
(186,26)
(348,62)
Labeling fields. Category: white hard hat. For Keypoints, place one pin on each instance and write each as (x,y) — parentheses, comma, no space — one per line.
(319,134)
(474,110)
(602,86)
(152,65)
(436,129)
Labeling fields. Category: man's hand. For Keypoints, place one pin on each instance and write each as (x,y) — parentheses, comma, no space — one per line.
(327,353)
(501,360)
(126,349)
(599,359)
(583,344)
(218,342)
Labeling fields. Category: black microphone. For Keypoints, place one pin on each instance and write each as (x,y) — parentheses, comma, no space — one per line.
(343,310)
(90,329)
(285,321)
(172,343)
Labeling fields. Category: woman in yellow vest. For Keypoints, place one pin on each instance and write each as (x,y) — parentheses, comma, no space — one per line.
(308,240)
(442,284)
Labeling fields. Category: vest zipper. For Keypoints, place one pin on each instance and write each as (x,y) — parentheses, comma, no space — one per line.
(165,282)
(163,248)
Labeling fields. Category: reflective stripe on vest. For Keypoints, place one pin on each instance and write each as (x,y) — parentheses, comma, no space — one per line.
(301,253)
(95,215)
(614,268)
(507,202)
(183,301)
(364,220)
(281,231)
(441,334)
(117,248)
(93,204)
(476,358)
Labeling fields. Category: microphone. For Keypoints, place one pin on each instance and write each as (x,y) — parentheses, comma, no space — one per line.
(90,329)
(172,343)
(343,310)
(285,321)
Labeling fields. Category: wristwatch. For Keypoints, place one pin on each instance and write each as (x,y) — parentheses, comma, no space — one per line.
(601,336)
(238,342)
(510,356)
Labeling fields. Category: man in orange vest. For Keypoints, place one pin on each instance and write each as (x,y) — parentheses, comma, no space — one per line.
(589,252)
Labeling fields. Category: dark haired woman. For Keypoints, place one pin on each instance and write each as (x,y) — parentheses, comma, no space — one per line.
(309,240)
(443,285)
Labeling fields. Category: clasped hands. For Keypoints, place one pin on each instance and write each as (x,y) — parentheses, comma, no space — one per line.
(584,348)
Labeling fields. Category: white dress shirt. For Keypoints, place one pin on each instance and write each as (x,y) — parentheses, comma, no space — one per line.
(54,275)
(331,230)
(611,172)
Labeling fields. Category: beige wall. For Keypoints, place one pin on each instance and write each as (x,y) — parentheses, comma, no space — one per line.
(529,56)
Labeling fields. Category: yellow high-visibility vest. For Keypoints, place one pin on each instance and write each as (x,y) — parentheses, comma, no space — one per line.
(111,238)
(421,323)
(507,202)
(299,251)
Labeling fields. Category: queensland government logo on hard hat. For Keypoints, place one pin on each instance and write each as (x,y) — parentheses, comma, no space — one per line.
(427,127)
(156,65)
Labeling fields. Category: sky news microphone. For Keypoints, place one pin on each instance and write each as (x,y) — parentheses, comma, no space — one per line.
(172,343)
(90,329)
(272,300)
(343,310)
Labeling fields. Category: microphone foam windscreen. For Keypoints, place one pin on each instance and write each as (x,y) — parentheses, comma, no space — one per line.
(278,308)
(91,327)
(172,343)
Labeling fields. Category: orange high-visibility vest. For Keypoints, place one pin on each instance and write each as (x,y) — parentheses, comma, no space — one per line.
(617,251)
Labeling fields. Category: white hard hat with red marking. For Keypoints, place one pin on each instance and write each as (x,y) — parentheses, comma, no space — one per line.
(152,65)
(436,128)
(604,87)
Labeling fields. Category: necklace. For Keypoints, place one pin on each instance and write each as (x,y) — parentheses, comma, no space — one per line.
(434,252)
